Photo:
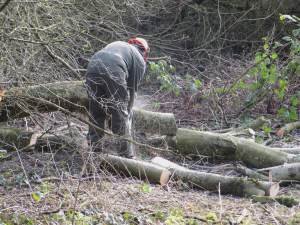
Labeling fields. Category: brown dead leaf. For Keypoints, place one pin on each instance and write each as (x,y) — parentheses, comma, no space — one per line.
(2,92)
(280,133)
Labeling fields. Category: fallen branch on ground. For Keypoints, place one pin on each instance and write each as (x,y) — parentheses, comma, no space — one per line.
(287,128)
(72,95)
(229,147)
(228,185)
(137,168)
(284,172)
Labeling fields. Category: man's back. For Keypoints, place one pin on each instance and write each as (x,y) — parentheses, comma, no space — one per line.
(118,56)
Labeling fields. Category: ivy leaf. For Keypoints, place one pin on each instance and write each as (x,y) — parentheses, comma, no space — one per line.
(266,46)
(272,77)
(198,83)
(37,196)
(294,101)
(267,129)
(293,115)
(274,55)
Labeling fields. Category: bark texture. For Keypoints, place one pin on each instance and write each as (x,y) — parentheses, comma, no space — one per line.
(212,182)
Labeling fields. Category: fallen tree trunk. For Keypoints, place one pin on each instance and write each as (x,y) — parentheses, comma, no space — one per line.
(229,147)
(288,128)
(284,172)
(137,168)
(228,185)
(11,138)
(72,95)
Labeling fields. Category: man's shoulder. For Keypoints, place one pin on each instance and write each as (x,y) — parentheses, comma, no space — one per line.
(118,43)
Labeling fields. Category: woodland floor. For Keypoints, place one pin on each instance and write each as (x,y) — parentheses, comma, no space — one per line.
(46,188)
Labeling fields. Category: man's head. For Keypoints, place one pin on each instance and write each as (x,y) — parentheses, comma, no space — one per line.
(142,44)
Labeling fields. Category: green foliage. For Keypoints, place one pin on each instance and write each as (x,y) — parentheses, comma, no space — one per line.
(37,196)
(128,217)
(43,190)
(162,71)
(211,217)
(267,129)
(18,219)
(290,112)
(271,76)
(192,84)
(175,217)
(3,154)
(145,188)
(158,216)
(295,219)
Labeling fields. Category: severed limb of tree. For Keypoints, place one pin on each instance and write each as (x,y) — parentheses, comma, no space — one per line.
(287,128)
(254,125)
(245,171)
(228,185)
(72,95)
(229,147)
(137,168)
(288,201)
(286,172)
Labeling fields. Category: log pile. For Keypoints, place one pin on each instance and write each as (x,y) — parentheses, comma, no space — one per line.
(266,162)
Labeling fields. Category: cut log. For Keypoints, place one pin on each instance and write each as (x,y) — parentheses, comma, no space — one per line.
(21,102)
(154,122)
(14,137)
(228,185)
(284,172)
(11,138)
(137,168)
(72,95)
(288,128)
(229,147)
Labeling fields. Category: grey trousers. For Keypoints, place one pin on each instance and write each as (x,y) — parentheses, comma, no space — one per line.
(108,101)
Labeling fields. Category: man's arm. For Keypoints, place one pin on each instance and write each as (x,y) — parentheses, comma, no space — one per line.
(132,96)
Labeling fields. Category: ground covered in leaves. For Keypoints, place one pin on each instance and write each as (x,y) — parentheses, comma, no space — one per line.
(40,188)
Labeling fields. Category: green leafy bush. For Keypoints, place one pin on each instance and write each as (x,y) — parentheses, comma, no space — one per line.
(162,71)
(273,74)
